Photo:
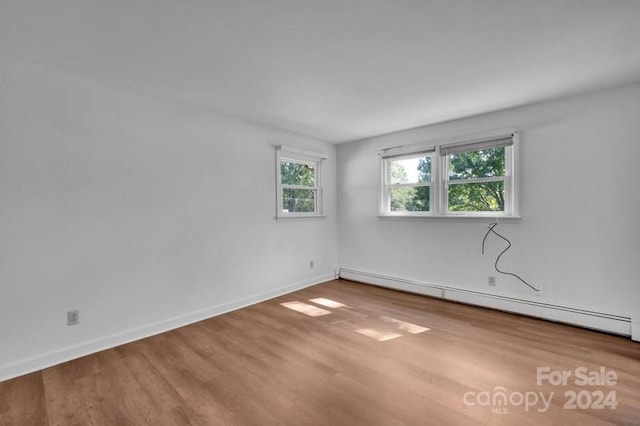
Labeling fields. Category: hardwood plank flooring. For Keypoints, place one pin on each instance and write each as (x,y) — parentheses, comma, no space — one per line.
(384,358)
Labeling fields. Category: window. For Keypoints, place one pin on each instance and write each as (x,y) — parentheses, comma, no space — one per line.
(299,190)
(408,183)
(473,177)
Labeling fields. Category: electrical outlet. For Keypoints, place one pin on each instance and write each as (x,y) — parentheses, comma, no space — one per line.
(311,264)
(73,317)
(492,281)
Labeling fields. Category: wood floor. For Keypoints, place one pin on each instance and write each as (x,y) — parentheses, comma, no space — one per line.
(385,358)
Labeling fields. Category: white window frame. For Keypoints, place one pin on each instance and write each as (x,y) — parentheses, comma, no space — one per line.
(399,154)
(300,156)
(440,174)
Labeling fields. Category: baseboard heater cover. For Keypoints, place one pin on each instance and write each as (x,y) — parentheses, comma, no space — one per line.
(587,318)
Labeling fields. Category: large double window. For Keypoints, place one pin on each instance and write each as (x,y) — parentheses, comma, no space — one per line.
(470,177)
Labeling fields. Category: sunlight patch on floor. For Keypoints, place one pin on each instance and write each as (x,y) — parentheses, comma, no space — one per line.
(405,326)
(328,302)
(380,336)
(380,328)
(305,308)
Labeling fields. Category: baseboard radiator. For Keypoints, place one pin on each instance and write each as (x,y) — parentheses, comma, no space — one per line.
(591,319)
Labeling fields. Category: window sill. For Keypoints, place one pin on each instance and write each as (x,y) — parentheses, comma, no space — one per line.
(294,218)
(470,218)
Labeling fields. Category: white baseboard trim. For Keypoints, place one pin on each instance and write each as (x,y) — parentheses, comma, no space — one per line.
(58,356)
(588,318)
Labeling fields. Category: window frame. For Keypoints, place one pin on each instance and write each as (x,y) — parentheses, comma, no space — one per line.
(386,182)
(304,157)
(440,182)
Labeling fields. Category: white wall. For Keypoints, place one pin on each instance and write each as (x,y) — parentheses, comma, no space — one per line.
(129,208)
(141,212)
(579,236)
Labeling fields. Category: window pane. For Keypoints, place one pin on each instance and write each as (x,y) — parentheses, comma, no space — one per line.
(476,197)
(293,173)
(409,199)
(410,170)
(298,200)
(476,164)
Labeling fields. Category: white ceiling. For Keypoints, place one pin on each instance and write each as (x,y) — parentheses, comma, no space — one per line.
(338,70)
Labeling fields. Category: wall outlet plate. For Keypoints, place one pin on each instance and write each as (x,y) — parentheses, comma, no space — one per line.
(73,317)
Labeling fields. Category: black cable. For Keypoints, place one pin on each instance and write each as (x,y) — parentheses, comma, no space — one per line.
(491,230)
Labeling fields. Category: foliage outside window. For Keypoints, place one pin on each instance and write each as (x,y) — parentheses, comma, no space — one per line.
(473,178)
(299,190)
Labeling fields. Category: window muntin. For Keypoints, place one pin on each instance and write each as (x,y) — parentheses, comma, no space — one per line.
(299,191)
(473,177)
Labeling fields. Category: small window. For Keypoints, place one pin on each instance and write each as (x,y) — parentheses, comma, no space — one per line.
(474,177)
(299,187)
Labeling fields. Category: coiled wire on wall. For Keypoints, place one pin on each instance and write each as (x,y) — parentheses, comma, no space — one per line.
(493,231)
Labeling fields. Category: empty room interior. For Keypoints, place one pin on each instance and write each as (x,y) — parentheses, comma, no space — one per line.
(319,212)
